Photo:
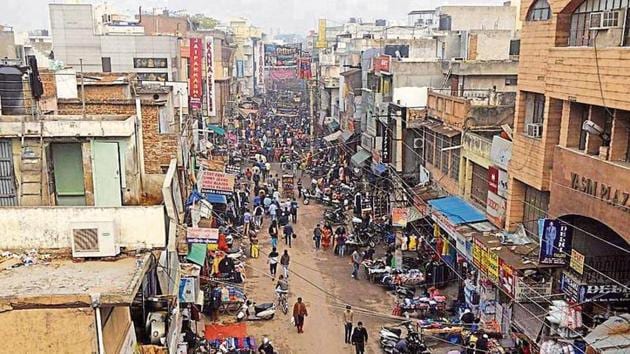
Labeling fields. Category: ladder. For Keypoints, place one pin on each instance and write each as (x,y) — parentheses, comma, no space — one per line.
(31,165)
(447,77)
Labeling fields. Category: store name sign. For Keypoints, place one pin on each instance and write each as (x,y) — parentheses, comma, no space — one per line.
(592,293)
(612,195)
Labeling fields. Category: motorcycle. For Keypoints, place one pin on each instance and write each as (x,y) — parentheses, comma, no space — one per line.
(336,216)
(390,336)
(252,312)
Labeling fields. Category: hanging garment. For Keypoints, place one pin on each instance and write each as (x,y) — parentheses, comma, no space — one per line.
(404,245)
(413,243)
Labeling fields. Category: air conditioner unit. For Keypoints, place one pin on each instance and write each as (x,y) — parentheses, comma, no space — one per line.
(418,143)
(534,130)
(94,239)
(606,19)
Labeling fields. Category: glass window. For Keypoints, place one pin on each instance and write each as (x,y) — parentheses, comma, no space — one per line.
(535,206)
(593,16)
(534,110)
(540,11)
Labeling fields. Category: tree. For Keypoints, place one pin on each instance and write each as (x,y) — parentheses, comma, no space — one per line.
(202,21)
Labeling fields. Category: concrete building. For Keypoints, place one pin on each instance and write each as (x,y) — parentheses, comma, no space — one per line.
(77,40)
(571,145)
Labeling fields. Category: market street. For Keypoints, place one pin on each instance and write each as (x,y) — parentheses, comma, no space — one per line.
(311,271)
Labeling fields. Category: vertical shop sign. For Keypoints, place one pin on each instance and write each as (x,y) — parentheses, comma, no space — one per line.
(261,66)
(479,255)
(195,74)
(555,242)
(385,147)
(210,89)
(506,278)
(321,34)
(577,261)
(492,264)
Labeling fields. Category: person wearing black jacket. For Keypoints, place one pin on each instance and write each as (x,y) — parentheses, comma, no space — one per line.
(359,337)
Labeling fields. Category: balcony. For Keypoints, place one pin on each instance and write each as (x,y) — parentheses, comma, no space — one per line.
(587,185)
(574,74)
(483,107)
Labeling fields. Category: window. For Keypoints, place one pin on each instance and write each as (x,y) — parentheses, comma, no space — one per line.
(166,121)
(540,11)
(106,62)
(515,47)
(511,81)
(595,15)
(534,108)
(535,207)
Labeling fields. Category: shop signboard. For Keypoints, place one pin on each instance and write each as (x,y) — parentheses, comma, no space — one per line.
(386,144)
(381,63)
(581,293)
(497,181)
(501,152)
(232,170)
(212,165)
(367,141)
(202,235)
(210,86)
(321,34)
(400,216)
(260,72)
(195,73)
(479,254)
(555,242)
(506,277)
(495,209)
(577,261)
(216,182)
(492,266)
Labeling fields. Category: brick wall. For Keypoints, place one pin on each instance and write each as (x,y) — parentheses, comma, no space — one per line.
(106,92)
(159,149)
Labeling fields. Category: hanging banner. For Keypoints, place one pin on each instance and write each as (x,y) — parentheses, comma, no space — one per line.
(479,255)
(506,278)
(381,63)
(321,34)
(555,242)
(216,182)
(400,216)
(210,89)
(260,62)
(492,265)
(305,68)
(195,73)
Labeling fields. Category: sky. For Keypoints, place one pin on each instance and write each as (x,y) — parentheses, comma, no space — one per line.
(286,16)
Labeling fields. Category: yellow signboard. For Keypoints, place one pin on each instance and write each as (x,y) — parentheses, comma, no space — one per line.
(492,265)
(577,261)
(321,34)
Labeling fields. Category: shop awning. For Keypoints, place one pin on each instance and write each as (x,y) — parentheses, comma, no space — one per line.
(216,198)
(345,137)
(197,253)
(612,336)
(415,215)
(332,137)
(456,210)
(360,157)
(216,129)
(379,168)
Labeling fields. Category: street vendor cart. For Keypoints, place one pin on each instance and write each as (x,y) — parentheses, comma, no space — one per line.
(288,186)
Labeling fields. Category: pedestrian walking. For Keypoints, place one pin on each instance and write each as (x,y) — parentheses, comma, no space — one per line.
(317,236)
(288,234)
(273,211)
(299,313)
(273,233)
(356,261)
(258,216)
(294,210)
(359,337)
(247,220)
(348,317)
(284,262)
(272,259)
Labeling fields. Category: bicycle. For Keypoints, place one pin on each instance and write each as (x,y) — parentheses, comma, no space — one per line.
(283,302)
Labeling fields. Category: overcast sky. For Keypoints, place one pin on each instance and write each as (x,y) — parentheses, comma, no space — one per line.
(288,16)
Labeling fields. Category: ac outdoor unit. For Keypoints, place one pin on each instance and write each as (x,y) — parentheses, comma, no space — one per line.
(606,19)
(534,130)
(418,143)
(94,239)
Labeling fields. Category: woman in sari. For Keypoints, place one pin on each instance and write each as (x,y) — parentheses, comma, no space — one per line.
(326,236)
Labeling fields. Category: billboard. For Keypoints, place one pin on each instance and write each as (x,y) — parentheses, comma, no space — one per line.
(260,65)
(195,73)
(321,34)
(555,242)
(210,88)
(216,182)
(381,63)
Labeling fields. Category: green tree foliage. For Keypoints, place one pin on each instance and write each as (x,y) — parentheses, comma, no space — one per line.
(202,21)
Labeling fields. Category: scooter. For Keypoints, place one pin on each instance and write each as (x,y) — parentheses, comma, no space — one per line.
(252,312)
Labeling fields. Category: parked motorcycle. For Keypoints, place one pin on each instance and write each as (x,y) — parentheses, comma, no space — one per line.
(252,312)
(390,336)
(335,217)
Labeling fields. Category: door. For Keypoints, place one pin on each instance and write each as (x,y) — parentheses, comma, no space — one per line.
(68,174)
(8,195)
(106,174)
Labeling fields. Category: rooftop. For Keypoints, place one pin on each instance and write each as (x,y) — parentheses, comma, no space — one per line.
(64,282)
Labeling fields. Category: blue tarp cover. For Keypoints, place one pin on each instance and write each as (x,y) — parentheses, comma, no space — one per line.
(456,210)
(216,198)
(379,168)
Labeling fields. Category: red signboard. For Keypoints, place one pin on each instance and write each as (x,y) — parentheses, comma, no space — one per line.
(195,75)
(493,179)
(506,278)
(381,63)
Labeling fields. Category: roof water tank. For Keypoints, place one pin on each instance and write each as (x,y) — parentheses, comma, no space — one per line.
(12,91)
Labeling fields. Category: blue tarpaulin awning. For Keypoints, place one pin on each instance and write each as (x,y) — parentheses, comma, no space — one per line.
(360,157)
(379,168)
(216,198)
(216,129)
(457,210)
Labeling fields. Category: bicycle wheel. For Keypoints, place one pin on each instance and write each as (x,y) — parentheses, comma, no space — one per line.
(285,306)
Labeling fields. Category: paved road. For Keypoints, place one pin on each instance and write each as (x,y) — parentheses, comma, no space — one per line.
(323,280)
